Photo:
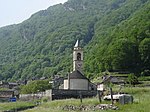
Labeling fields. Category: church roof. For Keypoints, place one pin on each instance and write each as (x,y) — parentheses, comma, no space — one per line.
(77,75)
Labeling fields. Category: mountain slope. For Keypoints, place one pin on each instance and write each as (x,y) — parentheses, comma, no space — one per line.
(42,45)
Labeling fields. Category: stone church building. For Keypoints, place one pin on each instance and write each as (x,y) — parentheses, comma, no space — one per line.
(76,79)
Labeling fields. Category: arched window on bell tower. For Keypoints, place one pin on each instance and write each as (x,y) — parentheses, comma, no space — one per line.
(78,56)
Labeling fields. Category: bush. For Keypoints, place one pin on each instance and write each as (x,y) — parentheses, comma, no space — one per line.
(36,86)
(132,79)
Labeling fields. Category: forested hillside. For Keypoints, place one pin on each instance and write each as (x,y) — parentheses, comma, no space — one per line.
(115,35)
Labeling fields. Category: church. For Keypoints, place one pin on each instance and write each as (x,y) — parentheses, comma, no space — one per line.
(76,83)
(76,79)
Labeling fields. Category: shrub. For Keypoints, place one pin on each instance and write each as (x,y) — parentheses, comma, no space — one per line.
(35,86)
(132,79)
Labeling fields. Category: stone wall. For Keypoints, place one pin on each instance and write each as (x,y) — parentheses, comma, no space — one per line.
(59,94)
(28,97)
(6,94)
(64,94)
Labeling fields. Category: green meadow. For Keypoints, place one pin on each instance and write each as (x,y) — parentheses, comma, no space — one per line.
(14,105)
(141,102)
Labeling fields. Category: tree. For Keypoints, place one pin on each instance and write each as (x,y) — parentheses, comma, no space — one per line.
(35,86)
(124,55)
(144,49)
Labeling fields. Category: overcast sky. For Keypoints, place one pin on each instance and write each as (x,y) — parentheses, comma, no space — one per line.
(16,11)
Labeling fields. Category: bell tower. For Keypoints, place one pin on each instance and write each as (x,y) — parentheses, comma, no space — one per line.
(77,57)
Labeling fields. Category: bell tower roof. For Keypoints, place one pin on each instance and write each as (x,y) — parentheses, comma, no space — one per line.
(77,43)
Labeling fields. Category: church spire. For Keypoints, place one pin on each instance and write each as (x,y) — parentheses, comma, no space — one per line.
(77,43)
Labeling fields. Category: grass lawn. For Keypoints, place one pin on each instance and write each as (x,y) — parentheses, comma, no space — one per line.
(141,103)
(14,105)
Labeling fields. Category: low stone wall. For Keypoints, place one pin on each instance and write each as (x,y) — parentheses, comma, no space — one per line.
(54,94)
(6,94)
(28,97)
(64,94)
